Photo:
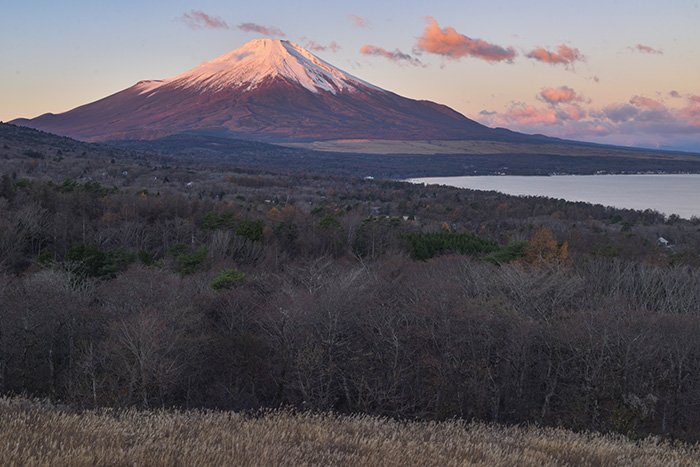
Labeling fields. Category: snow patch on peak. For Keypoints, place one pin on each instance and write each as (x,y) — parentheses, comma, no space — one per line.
(147,86)
(261,59)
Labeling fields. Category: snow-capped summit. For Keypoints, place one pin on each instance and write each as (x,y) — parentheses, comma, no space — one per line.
(259,60)
(271,90)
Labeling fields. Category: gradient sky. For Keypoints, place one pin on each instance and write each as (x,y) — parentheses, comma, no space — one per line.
(623,72)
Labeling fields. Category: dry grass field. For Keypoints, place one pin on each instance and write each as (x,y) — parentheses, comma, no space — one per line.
(35,433)
(482,148)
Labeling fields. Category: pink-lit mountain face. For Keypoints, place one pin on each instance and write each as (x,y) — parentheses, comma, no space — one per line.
(267,90)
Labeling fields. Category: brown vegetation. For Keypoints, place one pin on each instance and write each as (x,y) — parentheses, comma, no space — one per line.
(478,147)
(35,433)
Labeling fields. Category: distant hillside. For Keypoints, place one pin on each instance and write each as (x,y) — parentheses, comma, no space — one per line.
(207,150)
(481,158)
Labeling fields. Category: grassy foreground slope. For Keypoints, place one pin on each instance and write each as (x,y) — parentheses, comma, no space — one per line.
(34,433)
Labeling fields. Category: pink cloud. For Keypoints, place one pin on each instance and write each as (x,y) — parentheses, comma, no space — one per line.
(522,114)
(691,112)
(691,115)
(564,55)
(561,95)
(318,47)
(646,49)
(260,29)
(359,21)
(197,19)
(451,44)
(573,112)
(572,121)
(646,103)
(395,56)
(639,121)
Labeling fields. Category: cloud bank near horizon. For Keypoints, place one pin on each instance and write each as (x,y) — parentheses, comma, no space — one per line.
(641,120)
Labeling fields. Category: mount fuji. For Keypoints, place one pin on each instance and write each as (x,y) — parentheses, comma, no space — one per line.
(267,90)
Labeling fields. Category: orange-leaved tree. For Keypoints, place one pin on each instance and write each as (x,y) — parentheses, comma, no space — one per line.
(543,249)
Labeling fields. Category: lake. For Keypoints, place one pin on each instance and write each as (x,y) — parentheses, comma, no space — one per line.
(669,194)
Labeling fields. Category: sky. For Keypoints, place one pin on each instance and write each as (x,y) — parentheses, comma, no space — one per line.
(623,72)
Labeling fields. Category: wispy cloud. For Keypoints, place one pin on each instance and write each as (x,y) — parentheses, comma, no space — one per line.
(646,49)
(319,47)
(359,21)
(454,45)
(260,29)
(197,19)
(564,55)
(394,56)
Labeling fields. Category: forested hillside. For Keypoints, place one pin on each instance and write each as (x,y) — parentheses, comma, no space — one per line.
(130,280)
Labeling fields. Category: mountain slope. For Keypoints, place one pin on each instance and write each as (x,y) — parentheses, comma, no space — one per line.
(267,90)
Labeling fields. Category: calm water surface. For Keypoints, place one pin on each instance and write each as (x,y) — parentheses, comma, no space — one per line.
(669,194)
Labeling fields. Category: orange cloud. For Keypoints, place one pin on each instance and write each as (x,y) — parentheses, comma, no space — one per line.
(260,29)
(564,55)
(395,56)
(451,44)
(646,49)
(359,21)
(318,47)
(561,95)
(197,19)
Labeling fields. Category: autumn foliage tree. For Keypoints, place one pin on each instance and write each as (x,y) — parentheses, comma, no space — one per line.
(543,249)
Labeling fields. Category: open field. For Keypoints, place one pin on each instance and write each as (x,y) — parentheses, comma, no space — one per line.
(394,160)
(35,433)
(476,147)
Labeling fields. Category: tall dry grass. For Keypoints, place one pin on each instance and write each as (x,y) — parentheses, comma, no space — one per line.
(35,433)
